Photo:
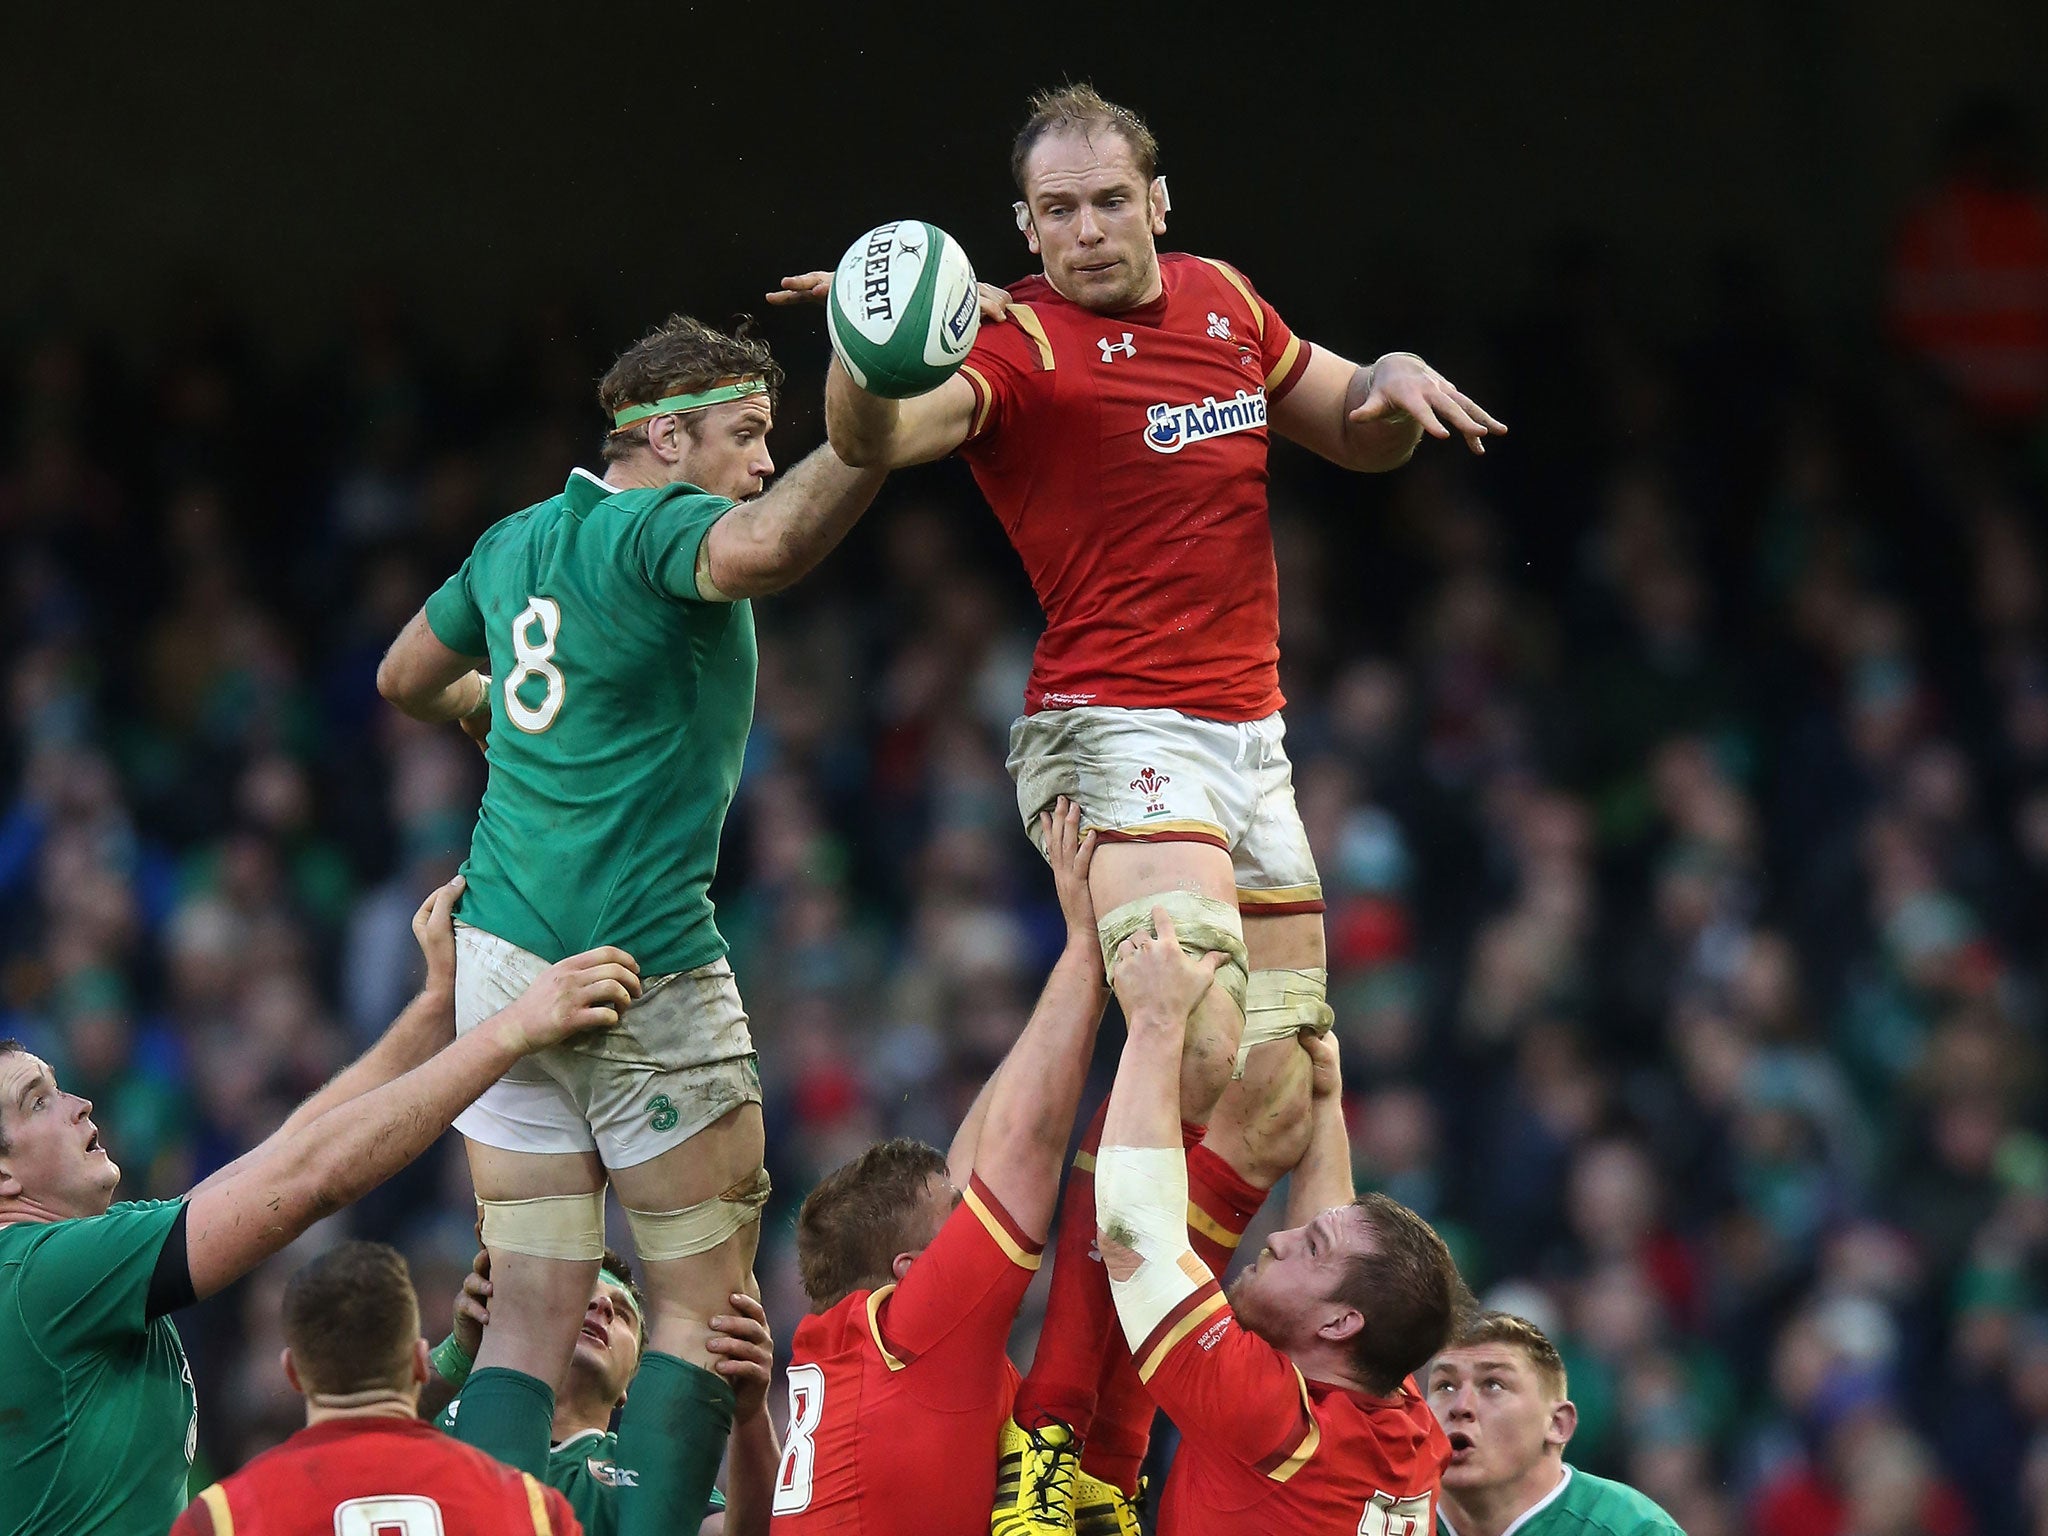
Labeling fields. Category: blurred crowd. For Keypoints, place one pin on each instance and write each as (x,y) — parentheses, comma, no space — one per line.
(1678,775)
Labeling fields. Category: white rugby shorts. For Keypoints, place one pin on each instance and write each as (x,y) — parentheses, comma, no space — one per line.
(1157,775)
(681,1057)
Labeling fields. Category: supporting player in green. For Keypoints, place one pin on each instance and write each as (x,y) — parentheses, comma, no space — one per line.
(1499,1391)
(98,1421)
(601,645)
(583,1463)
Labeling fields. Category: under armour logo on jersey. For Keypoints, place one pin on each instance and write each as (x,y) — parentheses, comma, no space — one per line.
(1111,348)
(1219,326)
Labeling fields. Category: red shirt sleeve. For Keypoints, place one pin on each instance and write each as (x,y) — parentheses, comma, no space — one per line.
(196,1521)
(971,1278)
(1227,1389)
(1282,354)
(1008,359)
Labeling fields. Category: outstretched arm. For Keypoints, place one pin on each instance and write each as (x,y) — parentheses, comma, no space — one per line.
(300,1174)
(889,434)
(766,544)
(746,1359)
(1371,419)
(1322,1178)
(424,1027)
(1015,1137)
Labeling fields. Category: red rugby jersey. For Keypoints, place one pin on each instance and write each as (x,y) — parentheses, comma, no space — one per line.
(377,1477)
(897,1395)
(1265,1449)
(1126,457)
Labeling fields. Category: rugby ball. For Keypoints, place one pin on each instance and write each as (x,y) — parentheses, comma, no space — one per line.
(904,309)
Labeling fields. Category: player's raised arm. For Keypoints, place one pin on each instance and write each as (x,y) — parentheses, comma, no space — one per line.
(889,434)
(1322,1179)
(1371,419)
(1015,1137)
(306,1171)
(769,542)
(745,1357)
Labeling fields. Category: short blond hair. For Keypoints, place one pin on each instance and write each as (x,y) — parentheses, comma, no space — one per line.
(1507,1328)
(1084,110)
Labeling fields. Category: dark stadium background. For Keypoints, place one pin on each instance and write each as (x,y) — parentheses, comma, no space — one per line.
(1679,772)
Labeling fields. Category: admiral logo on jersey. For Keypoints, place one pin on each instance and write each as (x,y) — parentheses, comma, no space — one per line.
(1173,427)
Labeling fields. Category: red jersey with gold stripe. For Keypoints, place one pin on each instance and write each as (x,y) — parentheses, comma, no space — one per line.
(897,1395)
(1125,455)
(1264,1449)
(377,1477)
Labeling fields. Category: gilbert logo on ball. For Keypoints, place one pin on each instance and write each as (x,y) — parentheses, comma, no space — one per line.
(903,312)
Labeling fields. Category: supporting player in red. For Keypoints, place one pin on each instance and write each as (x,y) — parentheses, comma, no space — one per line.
(1294,1394)
(915,1262)
(366,1464)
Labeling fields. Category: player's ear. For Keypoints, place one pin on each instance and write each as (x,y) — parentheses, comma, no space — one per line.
(1162,205)
(1564,1423)
(291,1371)
(665,437)
(422,1363)
(900,1266)
(1341,1325)
(1025,224)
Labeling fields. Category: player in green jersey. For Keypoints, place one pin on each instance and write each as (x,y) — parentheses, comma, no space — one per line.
(97,1415)
(602,644)
(1499,1392)
(583,1463)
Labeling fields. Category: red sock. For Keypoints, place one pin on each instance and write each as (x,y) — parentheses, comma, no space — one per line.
(1221,1206)
(1123,1424)
(1080,1317)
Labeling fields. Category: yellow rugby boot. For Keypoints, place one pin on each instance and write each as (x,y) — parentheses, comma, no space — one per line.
(1100,1509)
(1035,1473)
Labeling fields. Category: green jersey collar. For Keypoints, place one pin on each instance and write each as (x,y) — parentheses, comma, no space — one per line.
(1526,1515)
(585,490)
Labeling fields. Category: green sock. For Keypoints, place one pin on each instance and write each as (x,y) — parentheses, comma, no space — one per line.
(508,1414)
(672,1433)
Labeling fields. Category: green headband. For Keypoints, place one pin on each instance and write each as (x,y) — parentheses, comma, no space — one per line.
(672,405)
(610,1277)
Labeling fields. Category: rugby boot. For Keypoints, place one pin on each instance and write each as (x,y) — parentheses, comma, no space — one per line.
(1100,1509)
(1035,1474)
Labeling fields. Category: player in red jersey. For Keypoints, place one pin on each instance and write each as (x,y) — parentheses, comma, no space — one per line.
(366,1464)
(1294,1394)
(1118,421)
(915,1261)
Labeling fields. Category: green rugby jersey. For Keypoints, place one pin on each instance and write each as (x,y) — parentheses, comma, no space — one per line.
(1584,1505)
(585,1470)
(98,1421)
(620,705)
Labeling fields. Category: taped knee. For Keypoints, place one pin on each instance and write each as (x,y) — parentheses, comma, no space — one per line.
(701,1227)
(1202,924)
(546,1227)
(1280,1004)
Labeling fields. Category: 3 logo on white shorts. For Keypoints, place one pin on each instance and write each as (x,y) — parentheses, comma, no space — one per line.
(1171,428)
